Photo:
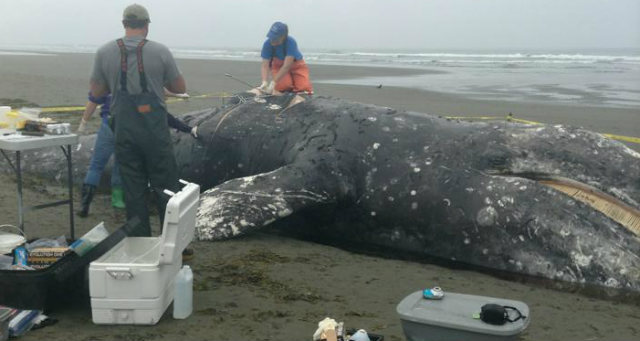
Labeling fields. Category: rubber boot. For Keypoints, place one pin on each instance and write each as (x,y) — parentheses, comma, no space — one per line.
(87,196)
(117,197)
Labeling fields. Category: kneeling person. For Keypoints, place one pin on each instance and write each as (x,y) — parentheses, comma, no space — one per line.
(281,56)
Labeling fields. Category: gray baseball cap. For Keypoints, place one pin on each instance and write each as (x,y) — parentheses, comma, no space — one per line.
(135,12)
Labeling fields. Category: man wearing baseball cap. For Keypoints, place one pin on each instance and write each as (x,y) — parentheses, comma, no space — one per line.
(136,71)
(281,56)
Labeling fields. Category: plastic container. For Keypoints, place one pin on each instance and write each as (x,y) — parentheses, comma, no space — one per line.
(451,318)
(20,256)
(58,129)
(90,239)
(26,114)
(22,322)
(11,118)
(9,241)
(133,283)
(183,294)
(57,284)
(31,113)
(4,110)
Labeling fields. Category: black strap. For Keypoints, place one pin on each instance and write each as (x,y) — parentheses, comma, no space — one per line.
(520,316)
(143,78)
(123,65)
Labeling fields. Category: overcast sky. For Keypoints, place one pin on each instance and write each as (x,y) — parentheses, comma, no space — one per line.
(335,24)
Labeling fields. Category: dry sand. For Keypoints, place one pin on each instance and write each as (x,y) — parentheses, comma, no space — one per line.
(271,287)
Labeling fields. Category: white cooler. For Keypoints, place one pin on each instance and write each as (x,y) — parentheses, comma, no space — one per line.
(133,282)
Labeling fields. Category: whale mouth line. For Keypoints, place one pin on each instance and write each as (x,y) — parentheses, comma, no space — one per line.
(612,207)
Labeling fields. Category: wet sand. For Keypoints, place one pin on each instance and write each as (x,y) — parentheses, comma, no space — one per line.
(271,287)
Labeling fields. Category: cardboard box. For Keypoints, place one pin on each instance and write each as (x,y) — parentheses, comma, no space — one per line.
(43,257)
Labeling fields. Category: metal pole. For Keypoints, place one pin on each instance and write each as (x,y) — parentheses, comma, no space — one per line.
(239,80)
(19,176)
(70,183)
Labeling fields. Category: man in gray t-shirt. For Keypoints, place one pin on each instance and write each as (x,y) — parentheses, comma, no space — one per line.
(160,67)
(135,71)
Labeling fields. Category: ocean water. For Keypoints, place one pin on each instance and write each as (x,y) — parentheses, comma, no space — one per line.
(608,78)
(596,77)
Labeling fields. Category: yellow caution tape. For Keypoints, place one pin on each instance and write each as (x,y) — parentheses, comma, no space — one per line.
(623,138)
(62,109)
(489,118)
(523,121)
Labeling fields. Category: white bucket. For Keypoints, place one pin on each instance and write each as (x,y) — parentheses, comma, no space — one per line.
(9,241)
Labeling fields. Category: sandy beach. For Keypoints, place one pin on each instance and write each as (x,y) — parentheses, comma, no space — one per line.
(268,286)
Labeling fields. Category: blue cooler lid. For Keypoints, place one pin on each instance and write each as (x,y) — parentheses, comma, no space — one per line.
(456,311)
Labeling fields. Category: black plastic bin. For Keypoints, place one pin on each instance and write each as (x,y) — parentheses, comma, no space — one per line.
(40,289)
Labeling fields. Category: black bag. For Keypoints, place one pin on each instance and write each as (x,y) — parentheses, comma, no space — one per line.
(498,314)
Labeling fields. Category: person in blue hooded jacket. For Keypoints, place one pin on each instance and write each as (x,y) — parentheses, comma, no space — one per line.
(283,61)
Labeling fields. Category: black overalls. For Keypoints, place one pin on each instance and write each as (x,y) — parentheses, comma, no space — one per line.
(143,145)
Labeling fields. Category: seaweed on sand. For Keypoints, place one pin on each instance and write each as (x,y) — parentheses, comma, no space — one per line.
(252,270)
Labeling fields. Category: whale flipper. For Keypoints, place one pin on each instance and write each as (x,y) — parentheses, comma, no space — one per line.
(244,204)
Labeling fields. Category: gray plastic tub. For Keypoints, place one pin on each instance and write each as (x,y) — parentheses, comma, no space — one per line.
(451,318)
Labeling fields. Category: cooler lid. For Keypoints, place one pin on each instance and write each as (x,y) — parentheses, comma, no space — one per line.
(456,311)
(179,221)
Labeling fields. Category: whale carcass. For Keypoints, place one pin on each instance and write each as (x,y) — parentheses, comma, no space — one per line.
(551,201)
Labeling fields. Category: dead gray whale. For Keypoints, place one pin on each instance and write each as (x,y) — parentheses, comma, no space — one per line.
(551,201)
(469,192)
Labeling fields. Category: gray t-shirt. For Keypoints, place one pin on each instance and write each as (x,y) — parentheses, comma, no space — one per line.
(159,66)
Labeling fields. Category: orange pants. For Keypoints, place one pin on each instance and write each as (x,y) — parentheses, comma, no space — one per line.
(296,80)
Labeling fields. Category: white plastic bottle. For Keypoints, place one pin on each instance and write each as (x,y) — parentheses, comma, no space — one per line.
(183,294)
